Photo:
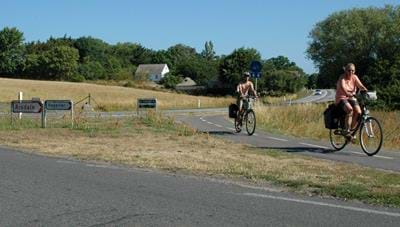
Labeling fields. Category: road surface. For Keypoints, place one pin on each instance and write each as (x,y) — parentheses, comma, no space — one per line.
(41,191)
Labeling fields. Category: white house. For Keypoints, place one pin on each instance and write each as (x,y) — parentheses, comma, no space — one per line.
(155,71)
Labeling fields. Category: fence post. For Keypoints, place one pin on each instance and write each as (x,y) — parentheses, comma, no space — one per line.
(20,98)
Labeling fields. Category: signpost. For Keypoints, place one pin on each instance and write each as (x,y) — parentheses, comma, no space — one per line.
(26,106)
(255,69)
(63,105)
(146,103)
(58,104)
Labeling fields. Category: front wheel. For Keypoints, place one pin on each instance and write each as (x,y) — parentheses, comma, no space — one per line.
(338,141)
(250,119)
(371,136)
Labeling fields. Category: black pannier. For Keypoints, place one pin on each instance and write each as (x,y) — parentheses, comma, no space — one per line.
(332,116)
(233,109)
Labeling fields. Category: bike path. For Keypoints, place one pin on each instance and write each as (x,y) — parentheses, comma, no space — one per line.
(220,126)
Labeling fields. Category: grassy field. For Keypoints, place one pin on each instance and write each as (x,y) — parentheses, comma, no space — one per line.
(107,98)
(307,121)
(155,142)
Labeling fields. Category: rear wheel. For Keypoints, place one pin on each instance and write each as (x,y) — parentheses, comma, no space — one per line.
(238,125)
(250,119)
(338,141)
(371,136)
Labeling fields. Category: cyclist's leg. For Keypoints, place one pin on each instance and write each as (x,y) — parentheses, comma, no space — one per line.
(240,112)
(348,109)
(356,113)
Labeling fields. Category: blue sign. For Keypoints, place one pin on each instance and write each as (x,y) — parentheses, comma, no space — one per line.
(255,69)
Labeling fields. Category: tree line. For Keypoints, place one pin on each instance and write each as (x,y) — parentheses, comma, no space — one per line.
(88,58)
(368,37)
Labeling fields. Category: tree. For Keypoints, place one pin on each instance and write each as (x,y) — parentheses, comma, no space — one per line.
(170,81)
(312,81)
(367,37)
(91,49)
(179,53)
(198,69)
(208,52)
(60,63)
(233,65)
(11,51)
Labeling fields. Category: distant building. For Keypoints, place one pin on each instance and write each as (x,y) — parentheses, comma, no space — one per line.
(155,72)
(187,82)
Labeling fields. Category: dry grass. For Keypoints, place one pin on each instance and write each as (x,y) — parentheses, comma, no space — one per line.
(307,121)
(107,97)
(154,142)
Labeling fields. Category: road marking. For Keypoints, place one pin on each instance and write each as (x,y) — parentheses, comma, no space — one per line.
(365,210)
(384,157)
(220,126)
(67,162)
(313,145)
(274,138)
(355,152)
(231,129)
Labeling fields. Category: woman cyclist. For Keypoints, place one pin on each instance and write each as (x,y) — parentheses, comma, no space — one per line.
(346,89)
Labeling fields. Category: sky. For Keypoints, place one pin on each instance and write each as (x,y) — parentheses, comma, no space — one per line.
(274,28)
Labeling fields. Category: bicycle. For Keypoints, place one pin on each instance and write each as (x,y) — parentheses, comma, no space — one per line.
(248,115)
(370,130)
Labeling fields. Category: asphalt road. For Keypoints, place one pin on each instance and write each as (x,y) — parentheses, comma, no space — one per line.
(327,95)
(42,191)
(218,124)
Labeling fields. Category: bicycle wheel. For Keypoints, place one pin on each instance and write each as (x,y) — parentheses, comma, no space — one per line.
(371,136)
(250,119)
(238,125)
(338,141)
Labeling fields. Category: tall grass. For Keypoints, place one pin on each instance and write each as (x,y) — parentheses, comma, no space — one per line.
(307,121)
(106,98)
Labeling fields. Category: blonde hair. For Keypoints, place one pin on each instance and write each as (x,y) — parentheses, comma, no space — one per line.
(348,66)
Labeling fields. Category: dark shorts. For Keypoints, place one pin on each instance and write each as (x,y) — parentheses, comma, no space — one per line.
(352,102)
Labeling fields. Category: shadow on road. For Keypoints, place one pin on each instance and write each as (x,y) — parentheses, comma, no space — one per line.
(301,149)
(218,133)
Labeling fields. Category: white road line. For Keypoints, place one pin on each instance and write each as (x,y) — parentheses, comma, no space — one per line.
(313,145)
(324,204)
(274,138)
(355,152)
(67,162)
(220,126)
(231,129)
(209,123)
(384,157)
(377,156)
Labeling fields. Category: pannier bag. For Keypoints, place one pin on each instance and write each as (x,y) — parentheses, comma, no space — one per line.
(233,109)
(331,118)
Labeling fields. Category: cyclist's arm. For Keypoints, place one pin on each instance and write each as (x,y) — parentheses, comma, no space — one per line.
(360,85)
(253,90)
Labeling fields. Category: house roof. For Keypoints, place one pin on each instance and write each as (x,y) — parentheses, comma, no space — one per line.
(151,68)
(187,82)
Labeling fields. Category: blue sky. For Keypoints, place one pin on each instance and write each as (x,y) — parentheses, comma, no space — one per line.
(274,28)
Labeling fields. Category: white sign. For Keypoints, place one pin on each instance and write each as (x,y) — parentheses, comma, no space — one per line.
(58,104)
(26,106)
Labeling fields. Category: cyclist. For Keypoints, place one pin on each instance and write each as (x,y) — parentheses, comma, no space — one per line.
(346,88)
(243,88)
